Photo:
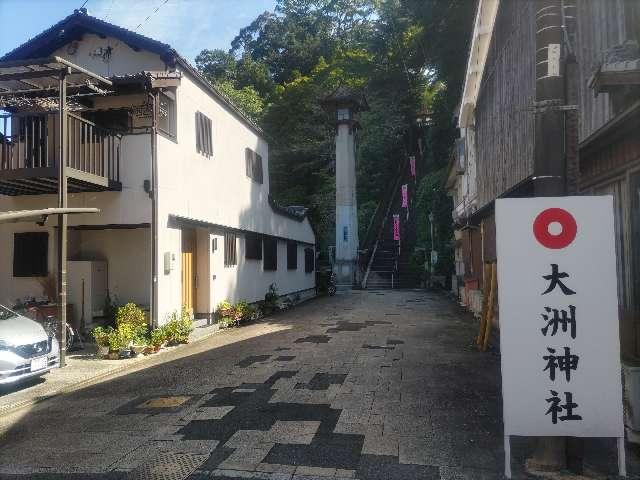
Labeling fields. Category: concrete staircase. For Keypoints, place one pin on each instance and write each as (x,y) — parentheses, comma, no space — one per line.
(387,268)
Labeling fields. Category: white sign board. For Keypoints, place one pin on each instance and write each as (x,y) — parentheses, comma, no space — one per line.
(559,317)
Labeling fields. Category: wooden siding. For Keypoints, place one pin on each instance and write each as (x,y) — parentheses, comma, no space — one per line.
(601,25)
(504,115)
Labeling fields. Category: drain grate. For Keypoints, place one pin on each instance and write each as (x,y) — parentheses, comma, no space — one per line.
(168,466)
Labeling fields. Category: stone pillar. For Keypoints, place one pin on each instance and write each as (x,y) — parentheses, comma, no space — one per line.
(346,207)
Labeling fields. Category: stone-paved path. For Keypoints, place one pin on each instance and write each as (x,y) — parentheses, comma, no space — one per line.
(373,386)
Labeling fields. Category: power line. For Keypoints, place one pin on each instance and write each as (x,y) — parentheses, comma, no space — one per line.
(109,10)
(85,2)
(150,15)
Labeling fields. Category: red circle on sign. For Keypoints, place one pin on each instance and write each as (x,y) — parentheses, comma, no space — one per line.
(555,215)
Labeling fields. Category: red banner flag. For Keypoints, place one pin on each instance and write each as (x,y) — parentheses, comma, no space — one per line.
(405,196)
(412,166)
(396,228)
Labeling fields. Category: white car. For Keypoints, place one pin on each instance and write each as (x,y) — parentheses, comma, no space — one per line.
(26,349)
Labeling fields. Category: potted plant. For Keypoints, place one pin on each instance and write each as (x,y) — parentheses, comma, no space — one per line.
(101,336)
(271,299)
(115,343)
(131,321)
(157,339)
(178,328)
(126,332)
(224,310)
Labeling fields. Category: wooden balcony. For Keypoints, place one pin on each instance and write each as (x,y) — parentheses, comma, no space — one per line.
(29,156)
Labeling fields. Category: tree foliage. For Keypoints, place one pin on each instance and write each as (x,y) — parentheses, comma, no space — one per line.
(407,56)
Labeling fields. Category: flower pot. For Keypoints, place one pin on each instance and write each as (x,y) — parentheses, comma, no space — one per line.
(113,355)
(138,349)
(125,353)
(103,350)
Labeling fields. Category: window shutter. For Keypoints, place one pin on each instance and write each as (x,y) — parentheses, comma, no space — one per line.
(204,134)
(230,253)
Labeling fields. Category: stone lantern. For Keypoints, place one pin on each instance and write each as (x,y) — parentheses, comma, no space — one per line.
(345,104)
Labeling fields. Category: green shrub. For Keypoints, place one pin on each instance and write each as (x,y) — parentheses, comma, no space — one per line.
(158,337)
(179,326)
(133,317)
(224,309)
(101,335)
(120,338)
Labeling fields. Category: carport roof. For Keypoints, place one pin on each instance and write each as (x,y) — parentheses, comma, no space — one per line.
(37,75)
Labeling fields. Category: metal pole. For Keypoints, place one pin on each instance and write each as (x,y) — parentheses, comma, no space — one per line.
(62,218)
(154,209)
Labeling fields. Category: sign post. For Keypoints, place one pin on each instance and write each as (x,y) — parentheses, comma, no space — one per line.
(559,319)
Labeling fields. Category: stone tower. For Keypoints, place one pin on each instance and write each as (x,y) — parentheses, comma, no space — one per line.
(344,105)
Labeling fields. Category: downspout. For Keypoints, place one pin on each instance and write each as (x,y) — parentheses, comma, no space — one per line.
(154,209)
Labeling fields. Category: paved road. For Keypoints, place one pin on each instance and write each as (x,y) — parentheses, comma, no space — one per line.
(368,385)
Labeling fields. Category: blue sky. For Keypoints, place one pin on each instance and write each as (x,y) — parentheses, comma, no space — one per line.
(187,25)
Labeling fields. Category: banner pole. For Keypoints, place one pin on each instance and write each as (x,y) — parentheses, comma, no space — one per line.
(507,456)
(622,464)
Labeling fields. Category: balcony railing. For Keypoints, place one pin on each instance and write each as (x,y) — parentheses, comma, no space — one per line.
(29,154)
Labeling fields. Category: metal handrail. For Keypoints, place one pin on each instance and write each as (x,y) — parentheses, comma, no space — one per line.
(389,201)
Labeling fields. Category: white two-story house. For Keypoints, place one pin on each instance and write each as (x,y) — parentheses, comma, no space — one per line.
(185,213)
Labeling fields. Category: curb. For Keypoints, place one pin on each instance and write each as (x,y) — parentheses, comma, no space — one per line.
(88,381)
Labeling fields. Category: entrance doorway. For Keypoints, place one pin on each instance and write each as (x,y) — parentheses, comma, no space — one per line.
(189,269)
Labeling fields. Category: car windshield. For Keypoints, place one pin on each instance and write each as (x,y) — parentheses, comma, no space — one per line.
(6,314)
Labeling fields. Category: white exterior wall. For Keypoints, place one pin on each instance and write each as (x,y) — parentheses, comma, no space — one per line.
(215,190)
(123,60)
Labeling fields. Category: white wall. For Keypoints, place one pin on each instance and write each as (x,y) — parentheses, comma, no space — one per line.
(123,60)
(128,255)
(249,281)
(216,190)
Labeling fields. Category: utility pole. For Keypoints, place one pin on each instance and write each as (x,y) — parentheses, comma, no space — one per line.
(550,163)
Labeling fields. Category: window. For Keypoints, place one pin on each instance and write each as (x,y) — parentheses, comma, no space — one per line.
(343,114)
(30,254)
(167,114)
(270,253)
(230,253)
(253,246)
(292,255)
(204,133)
(309,260)
(253,163)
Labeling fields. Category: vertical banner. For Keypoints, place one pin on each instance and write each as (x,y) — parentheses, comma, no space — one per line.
(412,165)
(405,196)
(396,227)
(558,303)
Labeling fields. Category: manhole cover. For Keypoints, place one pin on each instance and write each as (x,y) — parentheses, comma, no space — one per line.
(168,466)
(164,402)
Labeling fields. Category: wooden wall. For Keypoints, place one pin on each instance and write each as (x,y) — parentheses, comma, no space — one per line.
(504,116)
(601,25)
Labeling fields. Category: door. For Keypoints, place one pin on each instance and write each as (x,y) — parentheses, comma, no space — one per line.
(189,269)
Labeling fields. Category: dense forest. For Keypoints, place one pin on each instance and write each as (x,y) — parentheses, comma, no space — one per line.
(407,56)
